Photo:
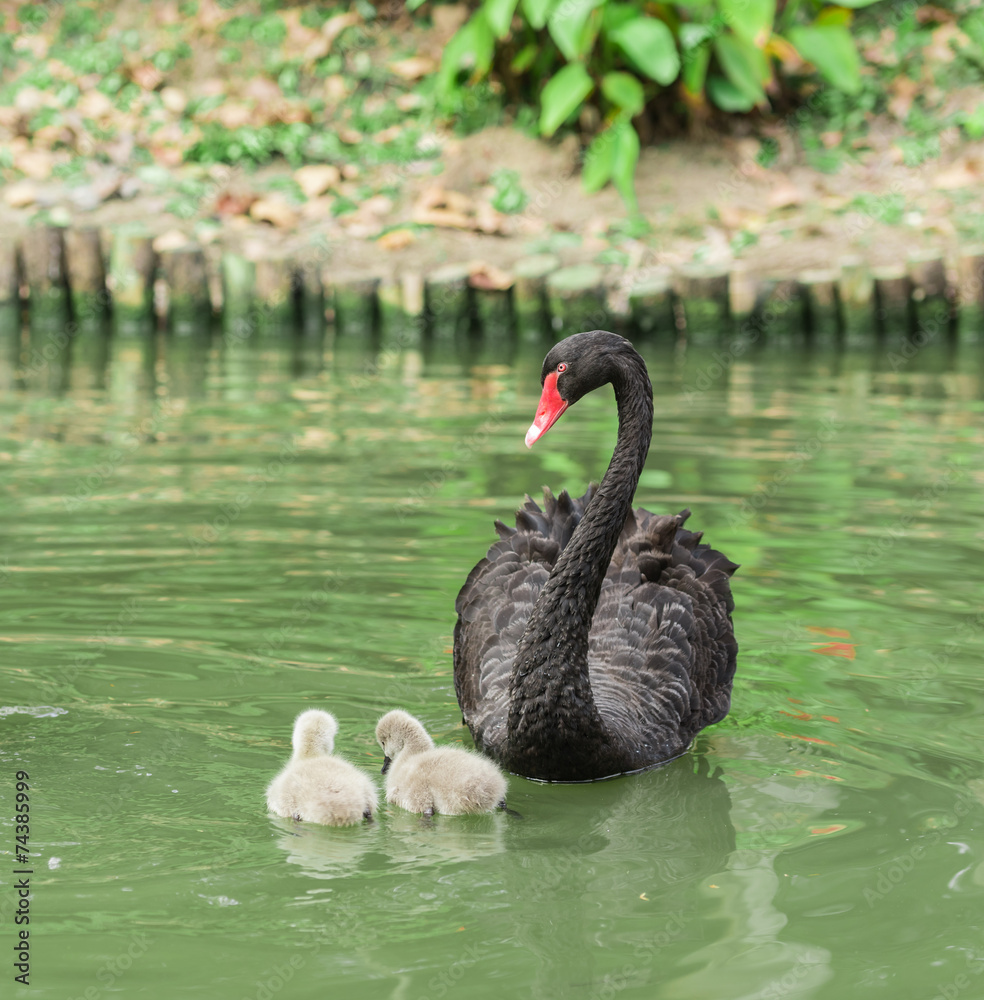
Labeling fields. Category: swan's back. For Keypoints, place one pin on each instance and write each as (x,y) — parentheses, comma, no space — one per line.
(661,649)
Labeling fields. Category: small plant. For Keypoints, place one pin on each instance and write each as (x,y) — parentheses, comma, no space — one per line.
(509,196)
(619,56)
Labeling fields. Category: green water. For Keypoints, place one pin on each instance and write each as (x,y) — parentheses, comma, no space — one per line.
(193,549)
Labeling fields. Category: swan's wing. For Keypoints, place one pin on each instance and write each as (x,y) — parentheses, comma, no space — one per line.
(662,650)
(496,601)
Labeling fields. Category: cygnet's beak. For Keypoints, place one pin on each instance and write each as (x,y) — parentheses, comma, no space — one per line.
(386,764)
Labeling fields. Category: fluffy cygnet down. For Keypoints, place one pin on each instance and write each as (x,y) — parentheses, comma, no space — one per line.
(317,787)
(426,779)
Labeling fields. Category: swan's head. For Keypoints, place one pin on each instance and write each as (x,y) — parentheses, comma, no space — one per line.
(397,731)
(314,733)
(575,366)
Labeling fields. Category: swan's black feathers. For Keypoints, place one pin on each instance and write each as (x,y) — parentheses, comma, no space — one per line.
(661,651)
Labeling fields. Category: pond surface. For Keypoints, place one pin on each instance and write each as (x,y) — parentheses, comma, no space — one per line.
(195,548)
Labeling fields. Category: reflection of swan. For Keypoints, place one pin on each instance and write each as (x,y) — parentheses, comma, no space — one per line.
(623,879)
(316,787)
(426,779)
(325,853)
(594,639)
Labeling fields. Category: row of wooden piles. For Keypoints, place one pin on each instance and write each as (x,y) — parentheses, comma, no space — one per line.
(78,276)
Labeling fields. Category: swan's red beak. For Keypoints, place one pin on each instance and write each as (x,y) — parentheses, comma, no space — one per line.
(548,412)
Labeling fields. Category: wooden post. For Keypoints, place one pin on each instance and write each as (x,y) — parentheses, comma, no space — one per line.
(822,315)
(274,296)
(449,305)
(9,275)
(893,301)
(651,306)
(311,293)
(577,300)
(494,305)
(357,308)
(705,295)
(87,275)
(857,296)
(47,279)
(189,303)
(970,289)
(933,300)
(132,268)
(530,293)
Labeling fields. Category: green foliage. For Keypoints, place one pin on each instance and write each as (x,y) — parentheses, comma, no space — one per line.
(621,56)
(509,196)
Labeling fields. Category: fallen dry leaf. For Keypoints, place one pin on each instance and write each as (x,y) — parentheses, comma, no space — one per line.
(488,277)
(94,104)
(903,91)
(396,239)
(20,194)
(317,208)
(315,178)
(275,210)
(414,67)
(36,163)
(350,136)
(785,194)
(964,172)
(173,239)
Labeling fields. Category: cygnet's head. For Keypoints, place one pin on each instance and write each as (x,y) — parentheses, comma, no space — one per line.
(314,733)
(397,731)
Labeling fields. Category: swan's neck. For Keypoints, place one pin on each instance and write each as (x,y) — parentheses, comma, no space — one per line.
(550,693)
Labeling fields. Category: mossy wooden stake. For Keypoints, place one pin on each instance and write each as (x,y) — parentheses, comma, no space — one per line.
(893,302)
(238,285)
(449,305)
(970,289)
(274,296)
(530,294)
(651,307)
(933,300)
(577,300)
(132,269)
(189,303)
(857,295)
(356,306)
(823,319)
(86,275)
(495,311)
(781,309)
(706,298)
(47,278)
(9,275)
(310,293)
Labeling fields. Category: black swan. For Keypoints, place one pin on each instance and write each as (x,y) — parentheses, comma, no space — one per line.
(594,639)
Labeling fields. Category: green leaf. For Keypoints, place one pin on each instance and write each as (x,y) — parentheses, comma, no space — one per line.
(570,28)
(616,14)
(650,47)
(597,169)
(524,58)
(624,91)
(693,35)
(563,94)
(726,95)
(855,3)
(499,14)
(471,48)
(695,62)
(624,163)
(537,11)
(749,19)
(412,5)
(831,49)
(744,65)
